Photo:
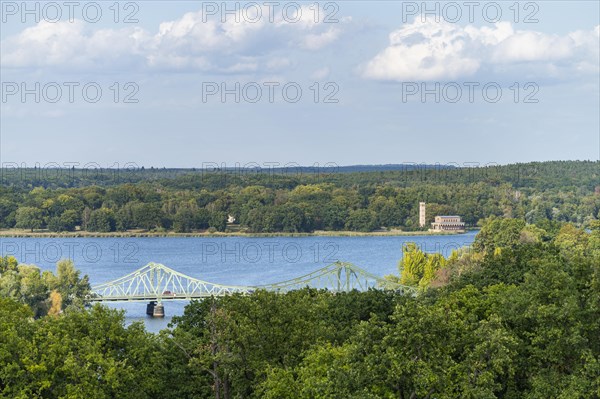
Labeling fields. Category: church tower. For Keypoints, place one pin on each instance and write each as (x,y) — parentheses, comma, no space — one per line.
(421,214)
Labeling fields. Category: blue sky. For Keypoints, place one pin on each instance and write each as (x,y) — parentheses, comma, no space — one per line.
(391,85)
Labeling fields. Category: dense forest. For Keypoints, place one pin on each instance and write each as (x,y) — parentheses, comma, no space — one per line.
(515,316)
(294,199)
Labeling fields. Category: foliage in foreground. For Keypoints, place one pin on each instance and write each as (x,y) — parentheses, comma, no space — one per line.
(518,318)
(45,293)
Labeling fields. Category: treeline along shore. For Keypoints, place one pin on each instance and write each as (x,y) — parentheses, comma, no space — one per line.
(298,200)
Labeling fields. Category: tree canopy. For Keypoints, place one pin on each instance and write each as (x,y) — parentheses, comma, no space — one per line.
(510,317)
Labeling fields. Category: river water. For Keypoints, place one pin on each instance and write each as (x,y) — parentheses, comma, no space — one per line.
(224,260)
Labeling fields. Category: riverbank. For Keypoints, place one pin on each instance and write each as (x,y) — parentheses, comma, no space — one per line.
(139,233)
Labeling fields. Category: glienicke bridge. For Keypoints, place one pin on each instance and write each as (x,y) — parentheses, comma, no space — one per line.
(156,283)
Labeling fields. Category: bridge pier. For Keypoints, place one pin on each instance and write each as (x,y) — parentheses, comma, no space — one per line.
(155,309)
(150,308)
(159,310)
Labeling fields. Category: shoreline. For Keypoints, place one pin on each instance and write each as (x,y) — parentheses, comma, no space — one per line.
(15,233)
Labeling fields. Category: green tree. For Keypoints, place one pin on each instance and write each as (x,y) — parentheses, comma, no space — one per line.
(572,240)
(28,217)
(434,263)
(412,264)
(361,220)
(65,222)
(102,220)
(8,211)
(33,291)
(334,216)
(499,233)
(15,346)
(217,220)
(68,282)
(147,216)
(7,264)
(183,221)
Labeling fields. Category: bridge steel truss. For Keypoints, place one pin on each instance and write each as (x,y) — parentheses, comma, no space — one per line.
(157,282)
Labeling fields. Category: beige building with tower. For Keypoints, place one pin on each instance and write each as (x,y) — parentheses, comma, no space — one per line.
(447,223)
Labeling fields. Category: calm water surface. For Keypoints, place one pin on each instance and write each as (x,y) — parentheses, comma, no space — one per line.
(225,260)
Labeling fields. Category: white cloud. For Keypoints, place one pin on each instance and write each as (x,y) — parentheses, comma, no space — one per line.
(533,46)
(174,61)
(441,50)
(54,44)
(278,63)
(316,41)
(193,41)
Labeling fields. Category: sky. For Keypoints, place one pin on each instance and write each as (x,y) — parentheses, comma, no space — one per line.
(188,84)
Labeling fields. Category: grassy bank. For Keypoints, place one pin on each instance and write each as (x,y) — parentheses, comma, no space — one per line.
(140,233)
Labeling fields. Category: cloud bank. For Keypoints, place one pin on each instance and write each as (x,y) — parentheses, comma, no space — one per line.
(193,41)
(433,50)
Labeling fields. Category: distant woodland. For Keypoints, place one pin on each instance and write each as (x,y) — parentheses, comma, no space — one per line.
(295,199)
